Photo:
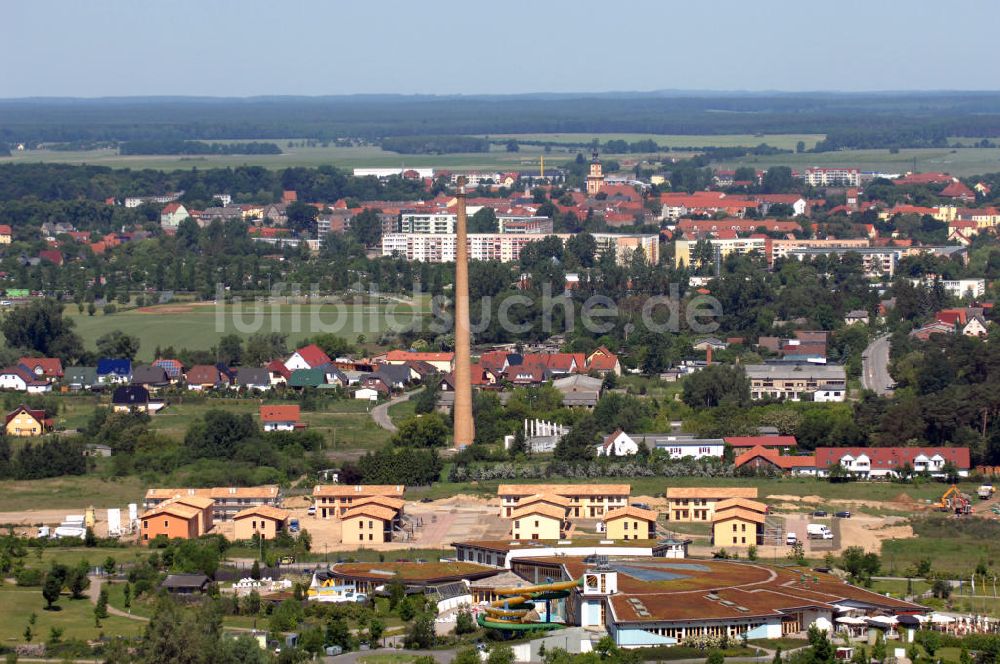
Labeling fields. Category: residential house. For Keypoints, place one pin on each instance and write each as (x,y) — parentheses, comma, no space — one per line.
(227,500)
(174,368)
(366,394)
(376,382)
(890,462)
(587,501)
(579,390)
(538,521)
(172,215)
(44,368)
(151,377)
(697,504)
(367,524)
(738,522)
(333,500)
(6,234)
(186,584)
(281,418)
(396,376)
(202,377)
(617,443)
(603,361)
(21,379)
(261,520)
(183,517)
(856,316)
(253,378)
(114,371)
(279,372)
(824,382)
(630,523)
(24,421)
(307,357)
(302,378)
(758,459)
(134,399)
(80,378)
(443,362)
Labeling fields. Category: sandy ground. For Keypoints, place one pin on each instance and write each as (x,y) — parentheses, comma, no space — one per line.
(26,522)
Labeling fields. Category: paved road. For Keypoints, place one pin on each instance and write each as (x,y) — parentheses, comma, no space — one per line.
(875,367)
(380,413)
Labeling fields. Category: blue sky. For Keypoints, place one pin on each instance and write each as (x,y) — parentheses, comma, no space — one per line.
(312,47)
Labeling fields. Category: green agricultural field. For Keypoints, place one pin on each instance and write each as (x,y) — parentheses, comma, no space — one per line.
(958,161)
(75,617)
(201,326)
(347,158)
(782,141)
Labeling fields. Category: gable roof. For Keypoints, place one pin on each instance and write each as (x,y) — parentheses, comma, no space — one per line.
(745,503)
(289,413)
(565,489)
(250,376)
(127,395)
(307,378)
(147,375)
(370,510)
(203,374)
(544,509)
(266,511)
(738,513)
(405,355)
(46,366)
(36,414)
(85,376)
(359,490)
(774,457)
(107,366)
(883,458)
(313,355)
(631,511)
(717,492)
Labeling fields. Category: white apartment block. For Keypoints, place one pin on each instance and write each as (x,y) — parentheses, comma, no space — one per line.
(505,247)
(427,222)
(833,177)
(721,247)
(957,287)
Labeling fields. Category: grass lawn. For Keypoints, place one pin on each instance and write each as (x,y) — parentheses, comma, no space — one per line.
(42,558)
(785,644)
(387,658)
(75,617)
(898,588)
(72,493)
(361,555)
(200,327)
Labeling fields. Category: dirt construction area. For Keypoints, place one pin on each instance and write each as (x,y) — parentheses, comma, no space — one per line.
(433,525)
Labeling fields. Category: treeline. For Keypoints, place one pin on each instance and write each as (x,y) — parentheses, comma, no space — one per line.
(246,184)
(374,117)
(435,144)
(32,461)
(173,147)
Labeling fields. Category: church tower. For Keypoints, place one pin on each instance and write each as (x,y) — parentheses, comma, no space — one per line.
(595,179)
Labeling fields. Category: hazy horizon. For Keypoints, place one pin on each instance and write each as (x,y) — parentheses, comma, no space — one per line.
(234,49)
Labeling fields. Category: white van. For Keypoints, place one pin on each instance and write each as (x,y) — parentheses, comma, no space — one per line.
(791,539)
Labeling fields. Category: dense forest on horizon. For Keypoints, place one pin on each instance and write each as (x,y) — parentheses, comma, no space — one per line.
(848,120)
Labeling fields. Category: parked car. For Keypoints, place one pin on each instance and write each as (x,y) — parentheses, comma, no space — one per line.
(311,511)
(843,515)
(819,513)
(791,539)
(287,560)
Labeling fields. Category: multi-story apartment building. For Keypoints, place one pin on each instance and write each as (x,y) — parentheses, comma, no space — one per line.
(427,222)
(721,247)
(833,177)
(692,503)
(782,248)
(506,247)
(508,223)
(792,381)
(586,501)
(334,500)
(227,500)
